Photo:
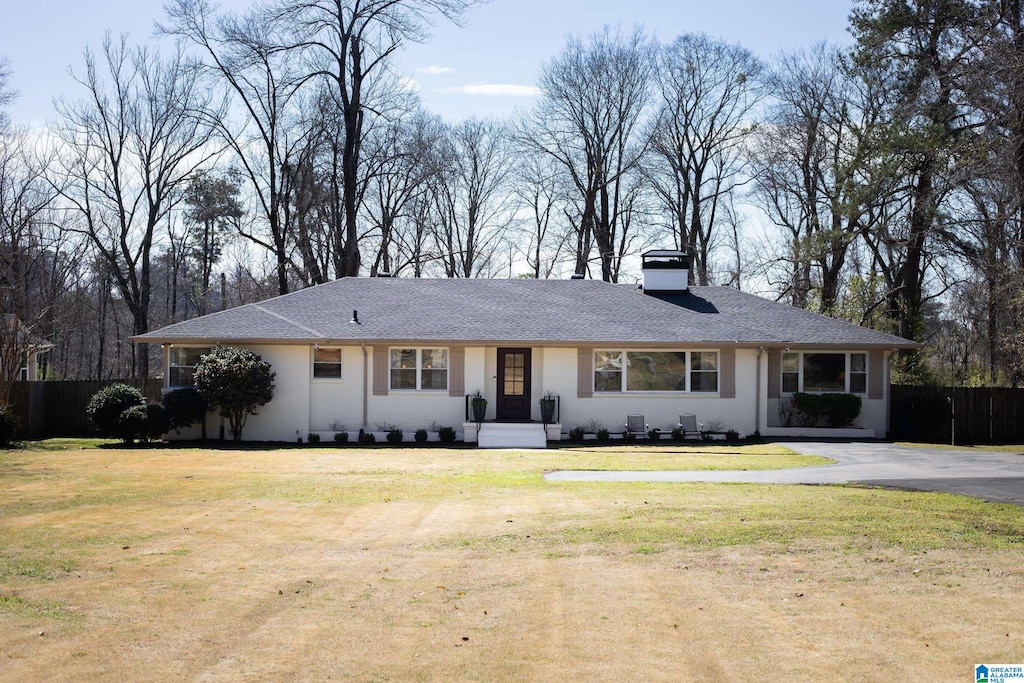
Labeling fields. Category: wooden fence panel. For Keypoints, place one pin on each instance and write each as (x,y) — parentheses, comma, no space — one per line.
(57,408)
(920,414)
(960,415)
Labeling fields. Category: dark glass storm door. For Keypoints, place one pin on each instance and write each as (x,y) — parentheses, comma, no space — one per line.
(513,384)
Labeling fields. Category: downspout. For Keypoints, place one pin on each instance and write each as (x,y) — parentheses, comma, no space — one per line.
(757,393)
(366,398)
(310,358)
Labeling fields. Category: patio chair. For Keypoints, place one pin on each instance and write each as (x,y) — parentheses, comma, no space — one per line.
(635,425)
(688,424)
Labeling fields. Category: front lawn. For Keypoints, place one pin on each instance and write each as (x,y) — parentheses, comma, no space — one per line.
(434,564)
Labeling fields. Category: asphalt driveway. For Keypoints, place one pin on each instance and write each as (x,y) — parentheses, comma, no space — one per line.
(989,475)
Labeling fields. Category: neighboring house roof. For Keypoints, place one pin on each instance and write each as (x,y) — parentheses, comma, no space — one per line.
(517,311)
(24,338)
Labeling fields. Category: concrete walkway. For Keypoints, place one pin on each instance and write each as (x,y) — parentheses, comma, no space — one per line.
(989,475)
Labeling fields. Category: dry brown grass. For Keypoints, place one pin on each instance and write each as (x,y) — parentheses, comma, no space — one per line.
(401,565)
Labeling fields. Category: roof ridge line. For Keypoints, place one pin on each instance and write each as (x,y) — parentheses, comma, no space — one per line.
(289,321)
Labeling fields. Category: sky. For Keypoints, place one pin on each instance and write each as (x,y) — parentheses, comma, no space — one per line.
(487,67)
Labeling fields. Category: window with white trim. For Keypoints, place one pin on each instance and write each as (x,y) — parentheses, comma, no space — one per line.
(636,371)
(419,369)
(182,363)
(824,372)
(858,373)
(327,363)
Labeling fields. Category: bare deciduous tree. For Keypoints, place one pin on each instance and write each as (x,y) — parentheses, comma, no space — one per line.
(707,90)
(594,96)
(814,179)
(471,196)
(129,149)
(540,195)
(348,44)
(241,57)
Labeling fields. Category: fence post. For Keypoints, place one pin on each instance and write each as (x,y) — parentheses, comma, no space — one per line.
(952,418)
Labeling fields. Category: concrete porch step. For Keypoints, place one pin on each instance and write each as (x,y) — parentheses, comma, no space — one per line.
(512,435)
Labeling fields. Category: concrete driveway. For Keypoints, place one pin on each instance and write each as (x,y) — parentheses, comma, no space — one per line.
(989,475)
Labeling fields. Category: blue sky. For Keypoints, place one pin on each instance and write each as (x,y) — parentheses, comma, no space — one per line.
(460,72)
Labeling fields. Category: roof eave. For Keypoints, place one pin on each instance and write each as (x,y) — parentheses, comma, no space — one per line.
(751,344)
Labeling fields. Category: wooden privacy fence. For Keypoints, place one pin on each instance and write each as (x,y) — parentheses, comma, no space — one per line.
(956,415)
(58,408)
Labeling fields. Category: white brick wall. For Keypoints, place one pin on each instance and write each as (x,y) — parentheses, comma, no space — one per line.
(301,405)
(660,410)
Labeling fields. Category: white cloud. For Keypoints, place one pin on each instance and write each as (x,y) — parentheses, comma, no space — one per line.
(434,70)
(408,84)
(492,89)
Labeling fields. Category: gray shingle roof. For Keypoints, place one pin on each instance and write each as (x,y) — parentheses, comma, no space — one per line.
(517,311)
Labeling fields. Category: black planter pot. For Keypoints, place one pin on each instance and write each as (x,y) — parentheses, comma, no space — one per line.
(547,411)
(479,409)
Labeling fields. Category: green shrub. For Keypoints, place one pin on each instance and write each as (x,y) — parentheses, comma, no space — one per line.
(446,434)
(653,435)
(367,438)
(341,437)
(841,410)
(576,434)
(394,436)
(313,437)
(834,410)
(677,435)
(107,404)
(8,427)
(158,422)
(132,424)
(808,408)
(420,436)
(185,407)
(732,435)
(603,435)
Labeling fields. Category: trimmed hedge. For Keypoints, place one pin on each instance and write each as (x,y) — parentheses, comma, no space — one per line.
(158,422)
(185,407)
(835,410)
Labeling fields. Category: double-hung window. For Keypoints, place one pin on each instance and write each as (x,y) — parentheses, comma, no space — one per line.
(326,363)
(423,369)
(682,371)
(182,363)
(821,372)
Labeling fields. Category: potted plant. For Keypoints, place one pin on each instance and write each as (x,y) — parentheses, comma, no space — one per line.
(479,404)
(547,408)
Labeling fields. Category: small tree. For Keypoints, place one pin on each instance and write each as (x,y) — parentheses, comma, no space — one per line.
(235,380)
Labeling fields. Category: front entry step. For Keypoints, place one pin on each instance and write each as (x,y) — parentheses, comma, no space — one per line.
(512,435)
